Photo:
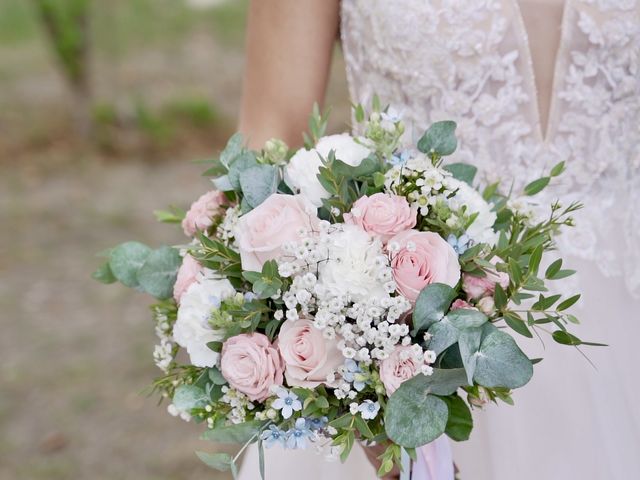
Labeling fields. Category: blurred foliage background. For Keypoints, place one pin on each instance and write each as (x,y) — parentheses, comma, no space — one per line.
(103,106)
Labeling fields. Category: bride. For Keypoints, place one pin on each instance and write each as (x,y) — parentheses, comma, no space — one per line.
(530,83)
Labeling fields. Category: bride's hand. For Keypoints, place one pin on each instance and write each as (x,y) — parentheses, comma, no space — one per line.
(372,455)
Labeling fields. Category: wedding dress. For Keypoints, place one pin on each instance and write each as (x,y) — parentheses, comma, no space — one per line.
(497,67)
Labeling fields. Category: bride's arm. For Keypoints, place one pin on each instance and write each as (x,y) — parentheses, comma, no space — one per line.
(289,47)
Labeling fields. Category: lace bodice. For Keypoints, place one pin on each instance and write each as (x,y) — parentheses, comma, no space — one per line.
(470,61)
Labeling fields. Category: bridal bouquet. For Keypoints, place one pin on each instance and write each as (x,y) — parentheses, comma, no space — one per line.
(350,291)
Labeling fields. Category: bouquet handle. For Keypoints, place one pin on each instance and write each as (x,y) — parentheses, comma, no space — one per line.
(434,462)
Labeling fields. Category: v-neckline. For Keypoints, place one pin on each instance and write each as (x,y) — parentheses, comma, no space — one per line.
(543,136)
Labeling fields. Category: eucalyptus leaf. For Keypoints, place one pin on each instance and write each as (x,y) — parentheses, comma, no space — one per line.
(258,183)
(216,377)
(443,335)
(188,397)
(158,274)
(232,150)
(408,428)
(218,461)
(222,183)
(462,171)
(126,259)
(245,161)
(460,422)
(466,318)
(431,305)
(104,274)
(239,433)
(439,138)
(469,343)
(500,362)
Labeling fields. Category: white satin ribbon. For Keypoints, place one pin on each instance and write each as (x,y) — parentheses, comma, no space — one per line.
(434,461)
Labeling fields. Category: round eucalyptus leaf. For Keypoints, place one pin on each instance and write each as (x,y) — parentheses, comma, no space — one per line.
(258,183)
(500,362)
(125,261)
(443,335)
(460,421)
(431,305)
(187,397)
(440,138)
(238,433)
(244,161)
(466,318)
(469,343)
(414,417)
(218,461)
(158,274)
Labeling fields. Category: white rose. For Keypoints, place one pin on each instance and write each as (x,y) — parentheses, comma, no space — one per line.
(481,230)
(192,330)
(302,170)
(353,264)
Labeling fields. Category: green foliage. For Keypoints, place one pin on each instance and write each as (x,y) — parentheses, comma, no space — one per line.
(173,215)
(136,265)
(235,433)
(188,397)
(258,183)
(500,362)
(439,140)
(462,171)
(431,305)
(219,461)
(317,127)
(125,261)
(460,421)
(158,273)
(266,283)
(215,255)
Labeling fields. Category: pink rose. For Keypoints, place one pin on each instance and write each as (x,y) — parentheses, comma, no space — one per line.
(479,287)
(399,367)
(308,356)
(459,303)
(187,274)
(263,231)
(421,258)
(202,212)
(251,365)
(383,214)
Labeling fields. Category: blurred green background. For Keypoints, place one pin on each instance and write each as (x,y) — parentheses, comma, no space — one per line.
(103,106)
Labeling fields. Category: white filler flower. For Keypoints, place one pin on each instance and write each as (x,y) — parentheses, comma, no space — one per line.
(302,170)
(355,265)
(192,330)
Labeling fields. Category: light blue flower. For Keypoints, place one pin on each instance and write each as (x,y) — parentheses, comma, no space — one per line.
(273,436)
(297,436)
(400,159)
(460,244)
(250,297)
(316,423)
(353,374)
(391,115)
(287,402)
(369,409)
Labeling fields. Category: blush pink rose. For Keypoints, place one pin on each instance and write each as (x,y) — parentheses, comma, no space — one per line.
(251,365)
(421,258)
(399,367)
(187,274)
(479,287)
(382,214)
(308,356)
(263,231)
(202,212)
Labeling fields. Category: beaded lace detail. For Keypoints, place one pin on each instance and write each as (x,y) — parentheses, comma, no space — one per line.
(469,60)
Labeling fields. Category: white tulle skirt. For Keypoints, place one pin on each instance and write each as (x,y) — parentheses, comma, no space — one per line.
(573,421)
